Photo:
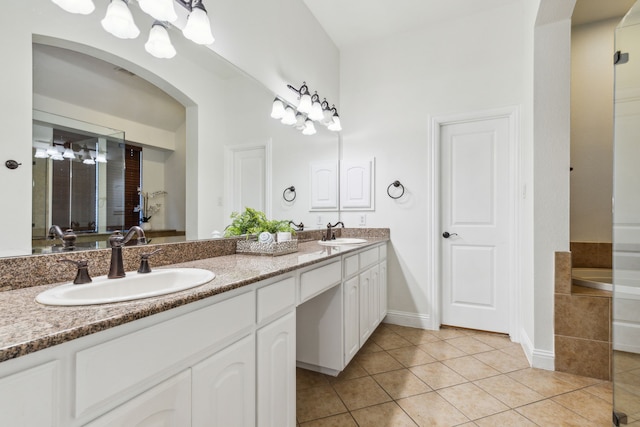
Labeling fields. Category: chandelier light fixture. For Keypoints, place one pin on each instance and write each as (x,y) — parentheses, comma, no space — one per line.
(308,111)
(119,21)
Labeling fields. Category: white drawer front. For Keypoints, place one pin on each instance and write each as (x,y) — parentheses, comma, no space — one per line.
(276,297)
(351,265)
(368,257)
(315,281)
(383,251)
(105,370)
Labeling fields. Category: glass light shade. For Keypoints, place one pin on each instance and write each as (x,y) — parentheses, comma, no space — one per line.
(89,161)
(335,125)
(300,121)
(289,116)
(119,21)
(198,28)
(52,151)
(327,116)
(57,156)
(159,43)
(309,128)
(69,154)
(82,7)
(316,111)
(161,10)
(101,158)
(41,153)
(305,103)
(277,110)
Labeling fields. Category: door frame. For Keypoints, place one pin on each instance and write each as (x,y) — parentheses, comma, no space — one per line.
(229,154)
(511,113)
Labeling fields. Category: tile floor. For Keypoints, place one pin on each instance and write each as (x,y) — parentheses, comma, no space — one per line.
(452,377)
(626,380)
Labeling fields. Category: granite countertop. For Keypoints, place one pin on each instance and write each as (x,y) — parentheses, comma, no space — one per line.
(27,326)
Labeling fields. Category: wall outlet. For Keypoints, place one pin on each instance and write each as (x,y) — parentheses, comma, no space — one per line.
(363,219)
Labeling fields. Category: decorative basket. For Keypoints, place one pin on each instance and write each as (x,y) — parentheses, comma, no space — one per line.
(254,247)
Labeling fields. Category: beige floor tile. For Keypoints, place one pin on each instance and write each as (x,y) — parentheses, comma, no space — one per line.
(411,356)
(448,333)
(505,419)
(370,347)
(387,341)
(471,368)
(437,375)
(360,392)
(342,420)
(318,402)
(603,390)
(502,361)
(496,341)
(374,363)
(548,413)
(384,415)
(431,410)
(515,350)
(442,350)
(306,379)
(353,370)
(547,383)
(587,405)
(626,402)
(470,345)
(402,383)
(509,391)
(623,361)
(576,380)
(417,336)
(472,401)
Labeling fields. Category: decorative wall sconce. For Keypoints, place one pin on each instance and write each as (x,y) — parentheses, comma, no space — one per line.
(309,110)
(119,22)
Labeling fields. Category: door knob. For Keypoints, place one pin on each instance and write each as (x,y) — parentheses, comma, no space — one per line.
(446,234)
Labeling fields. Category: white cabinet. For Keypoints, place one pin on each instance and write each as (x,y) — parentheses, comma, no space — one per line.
(382,267)
(351,318)
(276,382)
(28,398)
(365,303)
(168,404)
(224,387)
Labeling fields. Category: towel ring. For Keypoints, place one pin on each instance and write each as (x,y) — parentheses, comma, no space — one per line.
(291,190)
(395,184)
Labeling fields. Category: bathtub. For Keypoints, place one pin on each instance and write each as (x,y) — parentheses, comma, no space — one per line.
(626,302)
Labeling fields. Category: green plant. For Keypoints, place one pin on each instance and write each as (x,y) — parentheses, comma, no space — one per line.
(253,221)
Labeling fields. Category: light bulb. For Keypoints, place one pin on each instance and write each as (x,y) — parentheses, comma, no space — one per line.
(198,28)
(277,110)
(119,21)
(159,43)
(160,10)
(82,7)
(289,116)
(309,128)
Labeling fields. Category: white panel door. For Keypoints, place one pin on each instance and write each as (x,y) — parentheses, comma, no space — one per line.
(249,179)
(323,178)
(475,224)
(356,184)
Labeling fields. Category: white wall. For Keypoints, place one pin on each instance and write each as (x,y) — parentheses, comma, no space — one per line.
(592,47)
(191,77)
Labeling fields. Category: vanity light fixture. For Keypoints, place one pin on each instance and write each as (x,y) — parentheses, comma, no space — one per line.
(309,109)
(335,124)
(160,10)
(86,156)
(68,153)
(309,128)
(159,43)
(82,7)
(289,117)
(198,28)
(277,109)
(316,108)
(119,22)
(101,158)
(304,106)
(41,153)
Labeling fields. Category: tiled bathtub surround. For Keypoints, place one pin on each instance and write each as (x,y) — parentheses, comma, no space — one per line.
(582,325)
(35,270)
(591,254)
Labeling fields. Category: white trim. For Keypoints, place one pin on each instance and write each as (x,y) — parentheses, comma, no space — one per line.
(541,359)
(403,318)
(512,113)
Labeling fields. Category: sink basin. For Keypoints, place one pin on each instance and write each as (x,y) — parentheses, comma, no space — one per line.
(132,287)
(342,241)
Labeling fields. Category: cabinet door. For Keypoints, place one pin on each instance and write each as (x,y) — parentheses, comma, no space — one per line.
(276,385)
(224,387)
(365,313)
(374,298)
(351,319)
(168,404)
(382,267)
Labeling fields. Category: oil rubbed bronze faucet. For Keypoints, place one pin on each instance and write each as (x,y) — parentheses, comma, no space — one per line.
(117,241)
(68,237)
(330,234)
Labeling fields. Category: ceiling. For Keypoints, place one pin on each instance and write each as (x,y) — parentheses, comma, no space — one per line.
(354,22)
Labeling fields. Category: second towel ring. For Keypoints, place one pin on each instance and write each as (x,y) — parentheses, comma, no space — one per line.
(395,184)
(292,190)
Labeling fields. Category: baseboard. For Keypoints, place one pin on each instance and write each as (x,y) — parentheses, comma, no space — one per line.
(412,320)
(541,359)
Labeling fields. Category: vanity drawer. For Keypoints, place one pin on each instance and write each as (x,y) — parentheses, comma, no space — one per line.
(368,257)
(106,370)
(276,297)
(313,282)
(351,265)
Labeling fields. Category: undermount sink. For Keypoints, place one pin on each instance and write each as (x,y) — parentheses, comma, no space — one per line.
(132,287)
(342,241)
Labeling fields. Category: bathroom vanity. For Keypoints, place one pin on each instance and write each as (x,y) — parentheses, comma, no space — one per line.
(222,354)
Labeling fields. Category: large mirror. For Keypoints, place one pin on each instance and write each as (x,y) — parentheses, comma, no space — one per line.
(218,143)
